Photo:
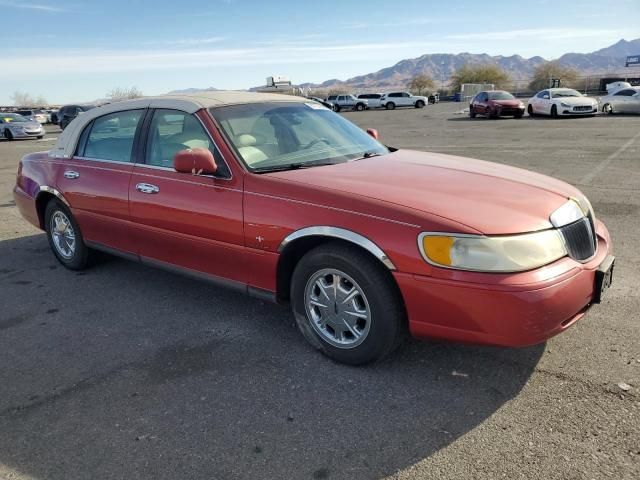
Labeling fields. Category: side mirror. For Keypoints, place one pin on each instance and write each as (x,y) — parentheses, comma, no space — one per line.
(197,161)
(373,132)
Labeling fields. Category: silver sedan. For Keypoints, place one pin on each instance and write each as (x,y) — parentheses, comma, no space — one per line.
(626,100)
(13,126)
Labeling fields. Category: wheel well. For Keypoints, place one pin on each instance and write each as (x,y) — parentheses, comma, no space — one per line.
(297,249)
(41,205)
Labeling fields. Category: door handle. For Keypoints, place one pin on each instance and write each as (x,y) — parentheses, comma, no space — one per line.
(71,174)
(147,188)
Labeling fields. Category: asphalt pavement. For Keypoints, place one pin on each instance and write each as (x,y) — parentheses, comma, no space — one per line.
(124,371)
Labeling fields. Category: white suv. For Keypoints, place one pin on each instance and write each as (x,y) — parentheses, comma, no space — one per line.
(402,99)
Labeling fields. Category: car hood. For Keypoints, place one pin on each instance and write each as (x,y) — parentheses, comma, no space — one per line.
(507,103)
(576,101)
(487,197)
(30,125)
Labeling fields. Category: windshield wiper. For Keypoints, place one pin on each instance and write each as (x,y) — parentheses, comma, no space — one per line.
(291,166)
(368,155)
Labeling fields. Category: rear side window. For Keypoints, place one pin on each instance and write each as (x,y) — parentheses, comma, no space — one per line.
(111,136)
(625,93)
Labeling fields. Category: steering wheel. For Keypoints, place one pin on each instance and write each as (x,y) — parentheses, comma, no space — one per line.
(315,142)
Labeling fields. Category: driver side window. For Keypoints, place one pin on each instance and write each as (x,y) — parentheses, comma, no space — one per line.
(171,131)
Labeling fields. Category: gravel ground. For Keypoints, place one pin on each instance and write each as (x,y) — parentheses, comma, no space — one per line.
(124,371)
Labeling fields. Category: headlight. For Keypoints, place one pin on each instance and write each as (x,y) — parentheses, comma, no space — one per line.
(566,105)
(521,105)
(508,253)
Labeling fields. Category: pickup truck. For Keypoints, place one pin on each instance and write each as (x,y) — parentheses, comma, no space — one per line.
(341,102)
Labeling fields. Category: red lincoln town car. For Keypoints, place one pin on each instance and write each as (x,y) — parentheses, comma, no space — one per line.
(281,198)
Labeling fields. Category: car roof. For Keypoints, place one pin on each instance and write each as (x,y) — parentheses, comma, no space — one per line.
(189,103)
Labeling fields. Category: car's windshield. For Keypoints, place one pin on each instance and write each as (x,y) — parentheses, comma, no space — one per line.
(500,96)
(292,134)
(13,117)
(567,92)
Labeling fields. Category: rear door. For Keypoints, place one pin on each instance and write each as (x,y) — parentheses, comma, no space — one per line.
(95,181)
(187,220)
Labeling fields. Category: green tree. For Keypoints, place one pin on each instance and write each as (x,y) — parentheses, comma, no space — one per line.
(546,71)
(421,82)
(485,73)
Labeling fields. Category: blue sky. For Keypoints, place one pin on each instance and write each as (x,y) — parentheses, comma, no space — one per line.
(78,50)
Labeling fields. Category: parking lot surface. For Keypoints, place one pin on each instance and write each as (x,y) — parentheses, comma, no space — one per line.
(124,371)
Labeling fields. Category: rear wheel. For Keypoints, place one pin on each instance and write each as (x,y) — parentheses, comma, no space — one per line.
(554,111)
(359,107)
(390,106)
(336,107)
(472,112)
(530,111)
(607,108)
(7,134)
(346,305)
(419,104)
(65,237)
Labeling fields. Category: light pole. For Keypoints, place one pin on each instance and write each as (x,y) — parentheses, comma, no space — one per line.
(442,76)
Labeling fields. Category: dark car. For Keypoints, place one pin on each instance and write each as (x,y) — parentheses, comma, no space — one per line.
(496,103)
(69,112)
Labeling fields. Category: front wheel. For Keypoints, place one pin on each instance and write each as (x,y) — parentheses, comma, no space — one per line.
(359,107)
(390,106)
(419,104)
(7,134)
(346,305)
(65,238)
(554,111)
(472,112)
(530,111)
(607,108)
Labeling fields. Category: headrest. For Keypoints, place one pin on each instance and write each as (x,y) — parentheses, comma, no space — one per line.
(245,140)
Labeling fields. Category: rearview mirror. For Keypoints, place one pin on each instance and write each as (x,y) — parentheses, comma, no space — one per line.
(197,161)
(373,132)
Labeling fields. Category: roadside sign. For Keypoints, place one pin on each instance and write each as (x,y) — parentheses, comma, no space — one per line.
(632,60)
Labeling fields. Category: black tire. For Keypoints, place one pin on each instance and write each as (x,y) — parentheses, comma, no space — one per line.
(40,137)
(432,99)
(359,107)
(7,134)
(82,255)
(390,106)
(472,112)
(387,317)
(419,104)
(530,111)
(607,108)
(554,111)
(336,107)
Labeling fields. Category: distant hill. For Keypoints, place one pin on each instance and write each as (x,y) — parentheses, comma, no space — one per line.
(441,66)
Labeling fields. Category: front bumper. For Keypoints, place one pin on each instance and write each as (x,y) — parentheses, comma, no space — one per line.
(571,112)
(28,134)
(521,309)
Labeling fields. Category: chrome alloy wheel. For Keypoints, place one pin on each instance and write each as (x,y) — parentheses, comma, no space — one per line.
(337,308)
(63,235)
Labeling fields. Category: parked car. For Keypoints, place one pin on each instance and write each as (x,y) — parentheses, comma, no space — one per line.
(373,99)
(561,102)
(54,117)
(67,113)
(626,100)
(14,126)
(35,115)
(495,104)
(274,197)
(347,102)
(402,99)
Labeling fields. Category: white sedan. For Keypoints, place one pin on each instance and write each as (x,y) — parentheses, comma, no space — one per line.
(561,101)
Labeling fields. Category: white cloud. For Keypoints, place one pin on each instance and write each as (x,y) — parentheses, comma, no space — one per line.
(537,33)
(25,5)
(187,41)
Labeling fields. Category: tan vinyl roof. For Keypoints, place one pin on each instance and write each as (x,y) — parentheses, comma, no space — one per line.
(189,103)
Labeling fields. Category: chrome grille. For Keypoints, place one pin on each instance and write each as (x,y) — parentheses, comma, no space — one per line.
(582,108)
(580,239)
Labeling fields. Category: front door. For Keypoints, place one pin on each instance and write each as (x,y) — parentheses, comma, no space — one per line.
(95,181)
(187,220)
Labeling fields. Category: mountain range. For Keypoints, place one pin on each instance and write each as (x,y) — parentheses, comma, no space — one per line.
(441,66)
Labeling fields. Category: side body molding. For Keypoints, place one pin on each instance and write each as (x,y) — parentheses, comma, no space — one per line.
(53,191)
(343,234)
